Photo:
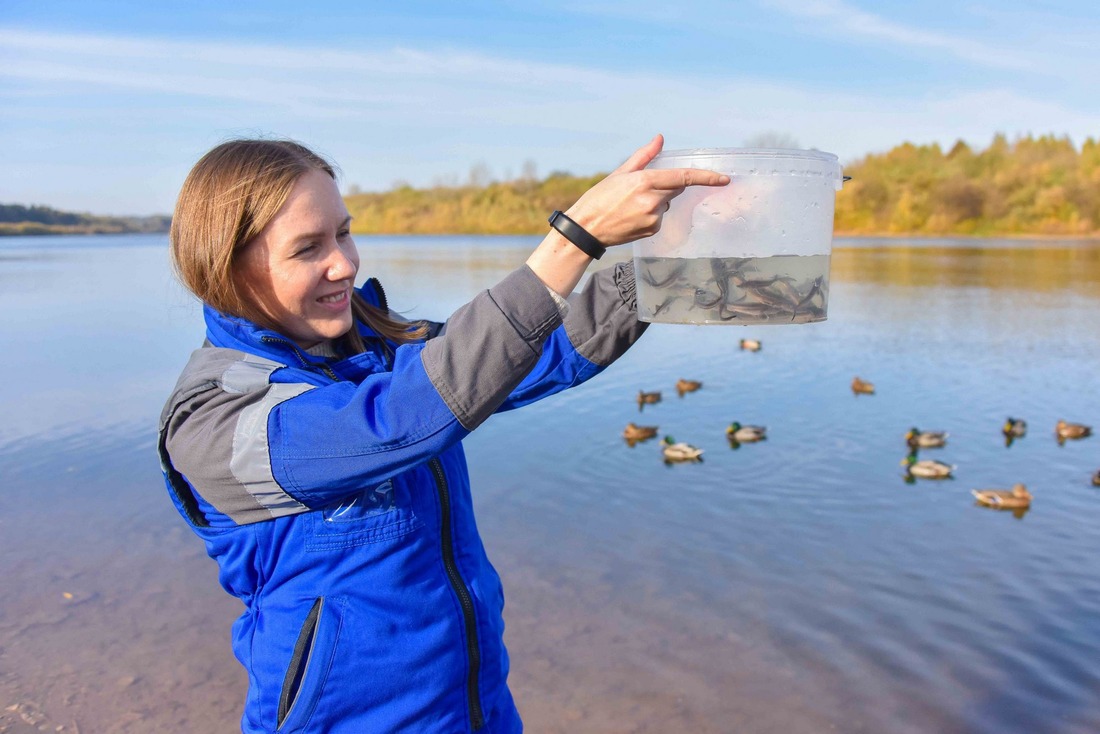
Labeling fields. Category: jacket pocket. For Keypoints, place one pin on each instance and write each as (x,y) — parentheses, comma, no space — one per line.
(373,515)
(309,664)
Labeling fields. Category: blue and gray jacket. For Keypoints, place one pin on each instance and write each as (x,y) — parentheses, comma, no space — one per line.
(335,498)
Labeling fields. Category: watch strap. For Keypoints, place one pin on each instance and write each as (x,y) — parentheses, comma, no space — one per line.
(578,235)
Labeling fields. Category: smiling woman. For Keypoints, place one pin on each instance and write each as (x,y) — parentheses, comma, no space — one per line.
(301,268)
(314,442)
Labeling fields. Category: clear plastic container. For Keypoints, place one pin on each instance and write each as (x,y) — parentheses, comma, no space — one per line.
(753,252)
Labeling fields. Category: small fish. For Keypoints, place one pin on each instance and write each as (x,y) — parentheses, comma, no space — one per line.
(663,305)
(647,275)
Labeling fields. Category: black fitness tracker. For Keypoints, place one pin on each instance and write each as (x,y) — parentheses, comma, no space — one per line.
(578,235)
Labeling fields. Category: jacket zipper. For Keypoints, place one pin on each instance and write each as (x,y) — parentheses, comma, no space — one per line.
(380,294)
(297,353)
(459,586)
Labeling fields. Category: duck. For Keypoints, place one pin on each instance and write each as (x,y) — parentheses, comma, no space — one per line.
(927,468)
(1065,430)
(634,432)
(745,434)
(1014,428)
(1096,478)
(862,386)
(1007,499)
(674,451)
(752,345)
(917,438)
(685,386)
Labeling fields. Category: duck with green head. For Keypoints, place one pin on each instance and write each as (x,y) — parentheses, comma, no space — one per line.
(1013,429)
(674,451)
(745,434)
(926,468)
(918,439)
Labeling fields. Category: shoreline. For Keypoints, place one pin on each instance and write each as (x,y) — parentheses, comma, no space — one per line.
(42,231)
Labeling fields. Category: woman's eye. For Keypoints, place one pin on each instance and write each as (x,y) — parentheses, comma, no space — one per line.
(343,233)
(307,249)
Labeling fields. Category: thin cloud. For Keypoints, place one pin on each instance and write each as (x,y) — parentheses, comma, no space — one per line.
(416,114)
(842,18)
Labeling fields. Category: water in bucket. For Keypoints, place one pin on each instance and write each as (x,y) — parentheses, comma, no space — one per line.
(753,252)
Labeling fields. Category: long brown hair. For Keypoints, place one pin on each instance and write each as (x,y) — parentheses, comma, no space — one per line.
(228,198)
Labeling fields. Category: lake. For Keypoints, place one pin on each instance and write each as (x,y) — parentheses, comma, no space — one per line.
(796,585)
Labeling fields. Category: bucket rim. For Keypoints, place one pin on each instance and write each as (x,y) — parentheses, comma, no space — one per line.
(771,153)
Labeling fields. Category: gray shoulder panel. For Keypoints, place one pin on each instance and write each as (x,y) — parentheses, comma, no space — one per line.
(214,433)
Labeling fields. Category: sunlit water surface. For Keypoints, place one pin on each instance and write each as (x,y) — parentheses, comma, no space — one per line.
(798,585)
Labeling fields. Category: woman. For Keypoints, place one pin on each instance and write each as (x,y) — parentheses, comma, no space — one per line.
(314,441)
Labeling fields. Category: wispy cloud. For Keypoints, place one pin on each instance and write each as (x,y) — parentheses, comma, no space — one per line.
(415,114)
(837,17)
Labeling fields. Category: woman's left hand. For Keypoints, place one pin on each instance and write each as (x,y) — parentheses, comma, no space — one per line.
(629,203)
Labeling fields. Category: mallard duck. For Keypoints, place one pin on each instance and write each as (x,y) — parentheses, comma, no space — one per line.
(752,345)
(679,451)
(745,434)
(1065,430)
(916,438)
(1014,428)
(648,397)
(1007,499)
(684,386)
(634,432)
(927,468)
(862,386)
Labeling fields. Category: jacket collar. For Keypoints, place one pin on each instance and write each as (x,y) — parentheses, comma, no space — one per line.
(234,332)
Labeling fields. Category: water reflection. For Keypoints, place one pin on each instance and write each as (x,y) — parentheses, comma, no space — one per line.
(1040,267)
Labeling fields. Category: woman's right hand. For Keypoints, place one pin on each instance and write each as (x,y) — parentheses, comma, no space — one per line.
(629,204)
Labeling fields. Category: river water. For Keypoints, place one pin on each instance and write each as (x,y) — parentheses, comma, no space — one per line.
(797,585)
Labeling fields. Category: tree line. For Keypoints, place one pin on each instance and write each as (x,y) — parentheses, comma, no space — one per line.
(1041,185)
(1030,186)
(16,219)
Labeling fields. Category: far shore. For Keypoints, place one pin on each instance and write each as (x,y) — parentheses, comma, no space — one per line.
(44,231)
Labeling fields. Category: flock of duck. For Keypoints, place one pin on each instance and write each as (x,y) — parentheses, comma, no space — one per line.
(678,451)
(1018,498)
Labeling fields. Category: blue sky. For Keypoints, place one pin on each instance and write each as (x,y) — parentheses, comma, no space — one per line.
(105,105)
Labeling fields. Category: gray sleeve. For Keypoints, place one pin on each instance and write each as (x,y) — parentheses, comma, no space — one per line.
(214,433)
(603,318)
(490,344)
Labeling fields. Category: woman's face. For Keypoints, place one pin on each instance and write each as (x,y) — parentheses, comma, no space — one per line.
(301,268)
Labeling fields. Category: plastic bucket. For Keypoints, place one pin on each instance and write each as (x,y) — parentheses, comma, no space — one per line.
(753,252)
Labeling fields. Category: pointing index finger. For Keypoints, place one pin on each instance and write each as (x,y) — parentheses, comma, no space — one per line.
(679,178)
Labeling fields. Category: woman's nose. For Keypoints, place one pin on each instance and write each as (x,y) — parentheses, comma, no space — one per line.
(341,266)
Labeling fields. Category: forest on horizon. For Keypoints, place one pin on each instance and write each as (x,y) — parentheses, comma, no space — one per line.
(1030,186)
